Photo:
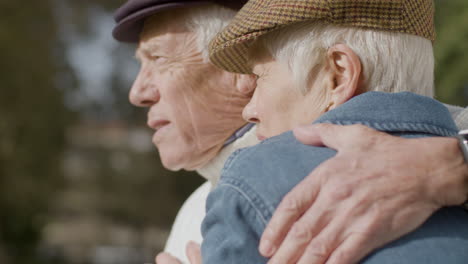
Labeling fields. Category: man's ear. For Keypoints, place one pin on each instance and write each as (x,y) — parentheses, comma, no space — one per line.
(346,71)
(246,83)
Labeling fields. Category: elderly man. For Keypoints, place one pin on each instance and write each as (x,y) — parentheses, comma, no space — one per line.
(194,107)
(196,123)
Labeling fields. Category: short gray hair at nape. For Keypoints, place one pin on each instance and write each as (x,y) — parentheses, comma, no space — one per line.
(206,21)
(391,62)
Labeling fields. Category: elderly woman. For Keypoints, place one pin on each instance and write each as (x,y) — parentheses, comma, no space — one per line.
(340,62)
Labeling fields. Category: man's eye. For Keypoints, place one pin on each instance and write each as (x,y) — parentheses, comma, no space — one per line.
(157,58)
(256,81)
(258,78)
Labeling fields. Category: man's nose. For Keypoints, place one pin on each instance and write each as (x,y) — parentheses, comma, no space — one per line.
(144,92)
(246,83)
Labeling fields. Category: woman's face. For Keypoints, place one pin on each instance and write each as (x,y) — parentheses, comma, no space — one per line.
(278,105)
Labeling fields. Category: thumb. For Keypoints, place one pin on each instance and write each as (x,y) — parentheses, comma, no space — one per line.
(194,253)
(333,136)
(166,258)
(308,135)
(320,135)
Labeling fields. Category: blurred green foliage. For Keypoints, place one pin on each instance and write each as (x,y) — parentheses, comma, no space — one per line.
(35,127)
(32,123)
(451,51)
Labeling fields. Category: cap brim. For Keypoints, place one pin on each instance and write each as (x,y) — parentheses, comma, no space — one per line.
(129,28)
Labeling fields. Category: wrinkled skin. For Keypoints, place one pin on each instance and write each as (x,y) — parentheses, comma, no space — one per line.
(364,205)
(356,202)
(193,106)
(378,187)
(277,105)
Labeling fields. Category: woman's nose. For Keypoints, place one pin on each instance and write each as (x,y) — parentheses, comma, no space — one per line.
(250,113)
(144,92)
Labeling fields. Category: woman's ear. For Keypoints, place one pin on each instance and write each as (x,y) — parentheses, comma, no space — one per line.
(346,71)
(246,83)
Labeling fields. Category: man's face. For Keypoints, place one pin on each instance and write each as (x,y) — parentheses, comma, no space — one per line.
(193,106)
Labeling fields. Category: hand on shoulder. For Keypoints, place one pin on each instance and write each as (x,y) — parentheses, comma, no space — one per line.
(376,189)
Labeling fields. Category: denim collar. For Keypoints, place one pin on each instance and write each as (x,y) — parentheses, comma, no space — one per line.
(394,112)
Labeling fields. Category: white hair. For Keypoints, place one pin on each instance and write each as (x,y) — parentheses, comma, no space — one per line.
(391,62)
(206,21)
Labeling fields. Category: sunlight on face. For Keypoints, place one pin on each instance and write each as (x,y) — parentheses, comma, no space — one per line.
(193,106)
(277,104)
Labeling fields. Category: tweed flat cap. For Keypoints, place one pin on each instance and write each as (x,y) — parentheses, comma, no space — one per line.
(130,16)
(229,48)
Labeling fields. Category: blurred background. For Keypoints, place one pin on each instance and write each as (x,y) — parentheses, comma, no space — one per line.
(80,181)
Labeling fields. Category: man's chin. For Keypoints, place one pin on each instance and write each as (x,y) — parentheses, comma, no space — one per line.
(192,160)
(172,166)
(177,166)
(174,163)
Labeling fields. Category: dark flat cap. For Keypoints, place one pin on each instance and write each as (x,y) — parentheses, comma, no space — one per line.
(130,16)
(229,49)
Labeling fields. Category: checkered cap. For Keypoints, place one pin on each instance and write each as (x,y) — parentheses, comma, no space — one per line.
(229,48)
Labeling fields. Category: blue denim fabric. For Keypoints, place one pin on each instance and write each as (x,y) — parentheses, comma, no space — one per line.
(255,179)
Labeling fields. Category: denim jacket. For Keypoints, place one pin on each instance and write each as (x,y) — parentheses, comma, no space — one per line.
(255,179)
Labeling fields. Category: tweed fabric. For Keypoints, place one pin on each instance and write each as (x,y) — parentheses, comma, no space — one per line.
(229,48)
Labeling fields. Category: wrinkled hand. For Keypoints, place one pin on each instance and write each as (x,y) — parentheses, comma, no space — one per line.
(376,189)
(193,253)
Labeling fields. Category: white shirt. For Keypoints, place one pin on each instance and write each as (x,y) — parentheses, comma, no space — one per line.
(187,225)
(460,115)
(188,222)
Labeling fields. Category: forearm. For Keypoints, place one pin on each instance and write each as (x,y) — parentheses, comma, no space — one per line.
(407,180)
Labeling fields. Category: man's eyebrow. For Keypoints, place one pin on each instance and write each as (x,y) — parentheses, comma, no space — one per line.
(147,49)
(142,52)
(151,46)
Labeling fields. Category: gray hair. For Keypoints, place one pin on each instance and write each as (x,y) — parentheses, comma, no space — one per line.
(206,21)
(391,62)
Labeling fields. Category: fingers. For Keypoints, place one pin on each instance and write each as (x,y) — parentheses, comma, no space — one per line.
(166,258)
(353,249)
(308,135)
(298,239)
(313,236)
(325,243)
(193,253)
(291,208)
